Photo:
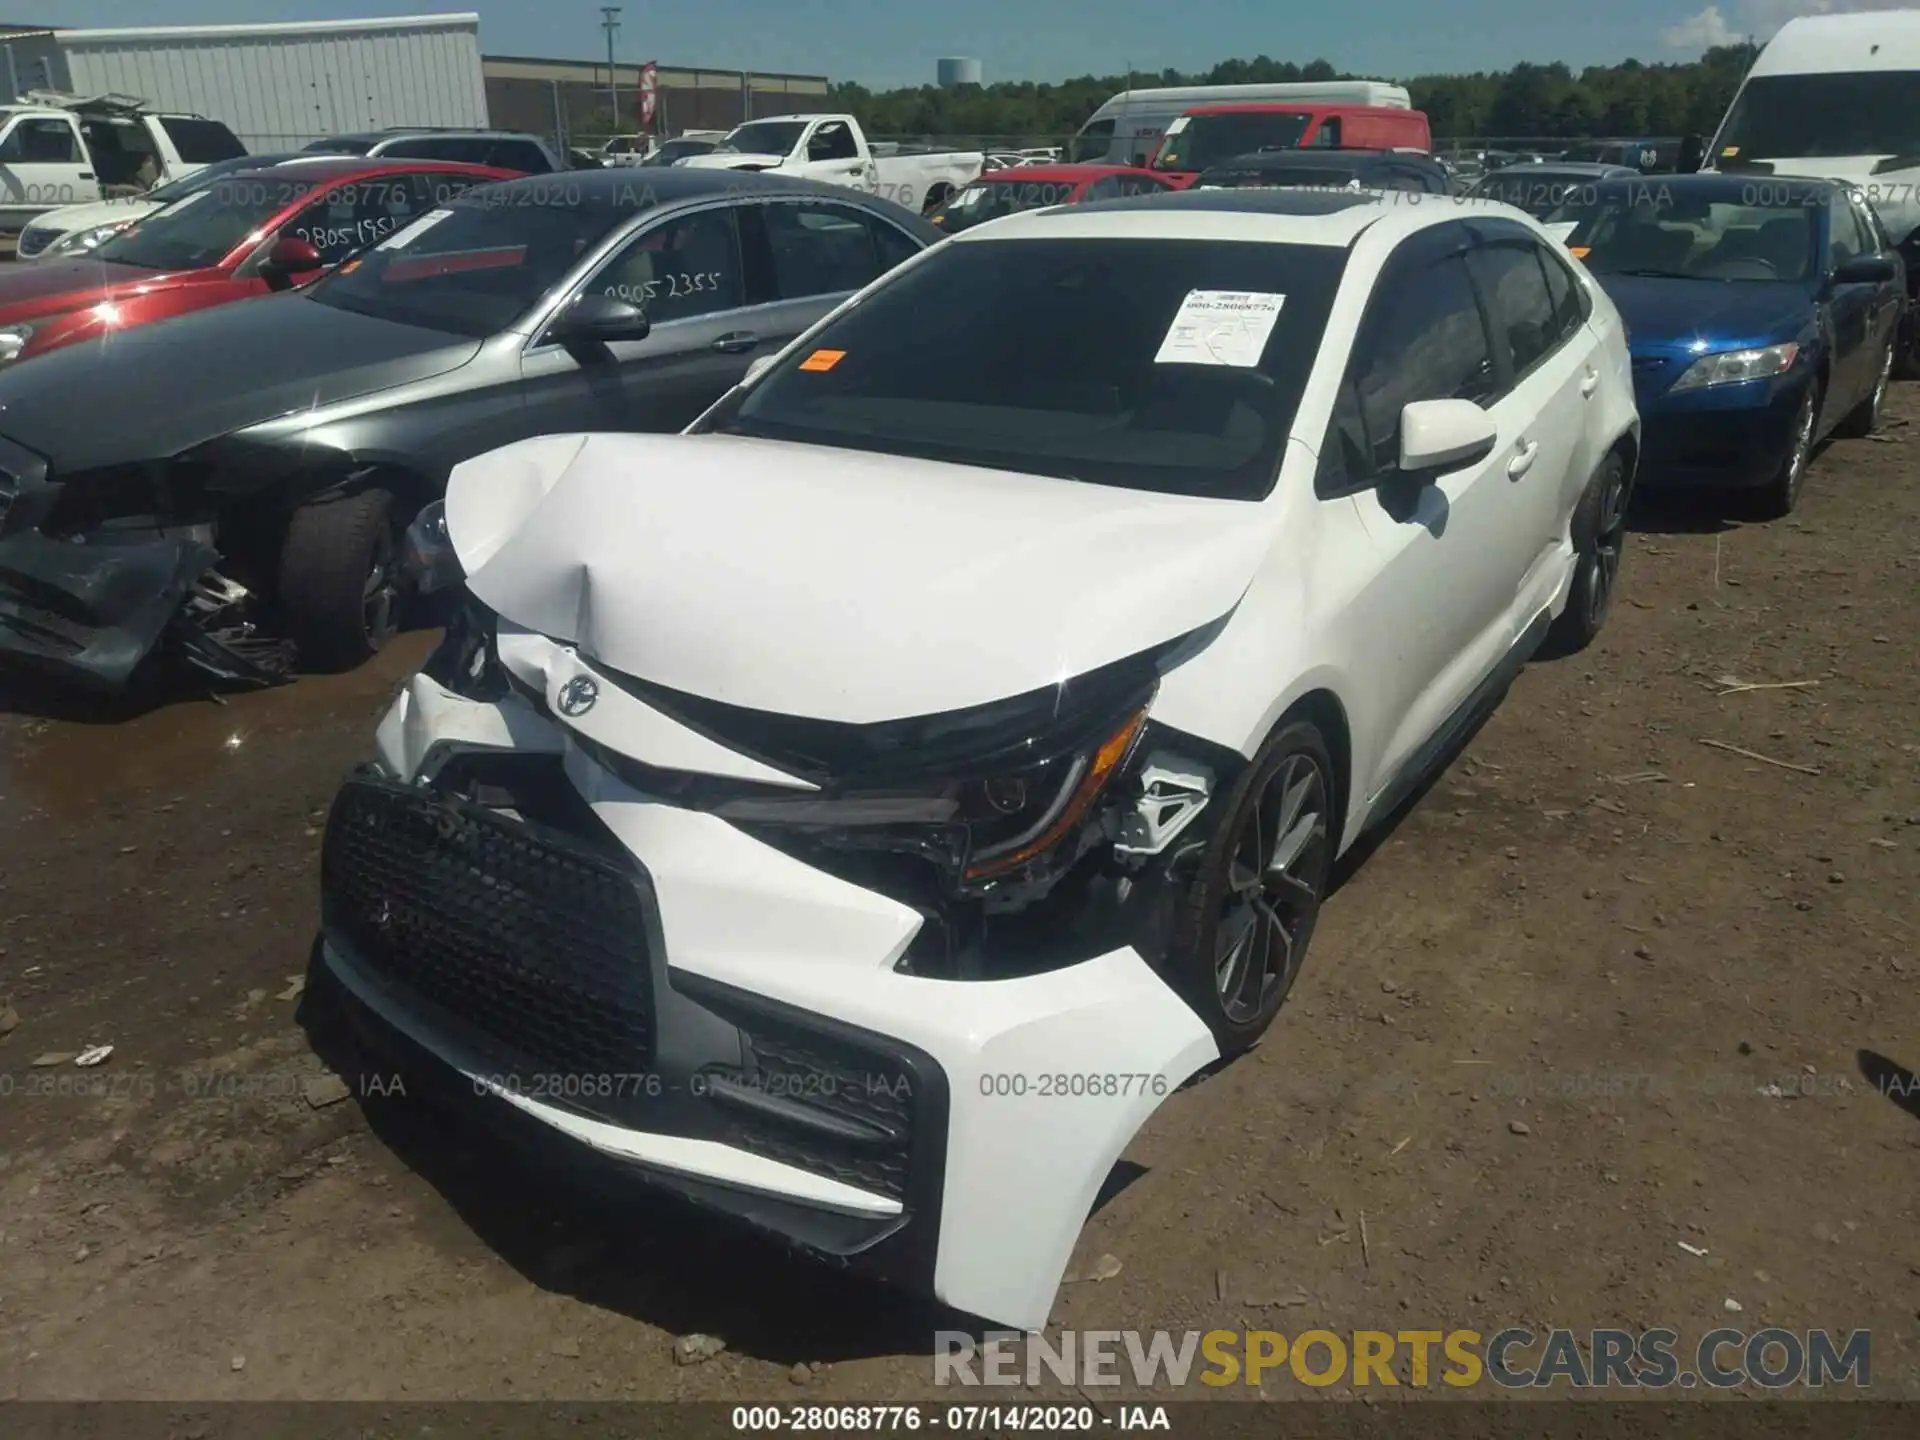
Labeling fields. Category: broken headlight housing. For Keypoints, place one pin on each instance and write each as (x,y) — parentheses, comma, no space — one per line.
(429,561)
(992,820)
(467,659)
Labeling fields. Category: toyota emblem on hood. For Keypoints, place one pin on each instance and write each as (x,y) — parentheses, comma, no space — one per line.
(577,696)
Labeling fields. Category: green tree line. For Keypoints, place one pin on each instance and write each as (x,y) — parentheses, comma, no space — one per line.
(1627,100)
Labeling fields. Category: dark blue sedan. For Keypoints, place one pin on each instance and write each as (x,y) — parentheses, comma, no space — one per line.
(1761,313)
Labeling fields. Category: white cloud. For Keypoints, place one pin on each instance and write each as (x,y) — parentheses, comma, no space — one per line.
(1700,32)
(1758,18)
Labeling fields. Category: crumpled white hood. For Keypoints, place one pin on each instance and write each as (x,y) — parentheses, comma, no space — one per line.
(832,583)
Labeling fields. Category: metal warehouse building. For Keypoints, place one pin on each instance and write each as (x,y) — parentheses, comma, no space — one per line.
(545,96)
(276,86)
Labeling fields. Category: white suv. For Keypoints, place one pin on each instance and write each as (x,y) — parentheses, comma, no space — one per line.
(859,812)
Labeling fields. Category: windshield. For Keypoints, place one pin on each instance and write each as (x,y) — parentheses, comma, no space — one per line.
(472,267)
(1196,141)
(206,226)
(1537,190)
(1651,230)
(764,137)
(1786,116)
(1093,142)
(203,177)
(340,145)
(1170,365)
(989,199)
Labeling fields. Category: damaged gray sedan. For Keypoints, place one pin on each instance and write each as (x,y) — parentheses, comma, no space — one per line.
(230,489)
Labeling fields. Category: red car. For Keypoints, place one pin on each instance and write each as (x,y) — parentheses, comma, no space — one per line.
(1034,187)
(249,233)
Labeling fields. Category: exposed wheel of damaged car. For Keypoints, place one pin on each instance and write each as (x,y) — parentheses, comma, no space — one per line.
(240,472)
(340,578)
(1249,912)
(938,755)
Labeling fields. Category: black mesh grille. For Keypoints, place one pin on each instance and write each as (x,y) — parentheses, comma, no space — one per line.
(536,947)
(867,1097)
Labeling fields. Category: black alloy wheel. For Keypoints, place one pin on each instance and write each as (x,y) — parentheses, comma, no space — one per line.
(1249,912)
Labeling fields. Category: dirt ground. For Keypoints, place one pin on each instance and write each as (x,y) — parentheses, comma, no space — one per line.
(1605,989)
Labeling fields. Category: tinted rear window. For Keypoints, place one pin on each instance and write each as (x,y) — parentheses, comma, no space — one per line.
(1050,362)
(201,142)
(339,145)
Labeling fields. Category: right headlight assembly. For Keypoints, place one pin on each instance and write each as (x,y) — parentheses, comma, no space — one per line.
(981,822)
(1730,367)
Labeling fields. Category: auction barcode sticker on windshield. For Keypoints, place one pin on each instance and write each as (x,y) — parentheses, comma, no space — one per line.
(414,231)
(1221,327)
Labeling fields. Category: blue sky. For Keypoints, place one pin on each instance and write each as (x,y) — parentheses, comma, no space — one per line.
(894,42)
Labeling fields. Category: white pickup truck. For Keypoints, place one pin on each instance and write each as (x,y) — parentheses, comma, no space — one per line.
(60,150)
(835,149)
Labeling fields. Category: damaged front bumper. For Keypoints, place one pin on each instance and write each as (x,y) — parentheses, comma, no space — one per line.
(92,613)
(655,987)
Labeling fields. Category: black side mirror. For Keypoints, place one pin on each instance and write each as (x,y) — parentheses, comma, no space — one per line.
(1693,154)
(596,320)
(1865,270)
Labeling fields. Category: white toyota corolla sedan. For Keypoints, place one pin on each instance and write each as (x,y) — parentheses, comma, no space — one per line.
(860,812)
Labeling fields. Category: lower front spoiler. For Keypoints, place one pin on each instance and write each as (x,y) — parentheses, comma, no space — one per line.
(868,1234)
(91,612)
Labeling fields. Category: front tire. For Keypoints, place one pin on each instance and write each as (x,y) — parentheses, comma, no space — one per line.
(339,579)
(1600,544)
(1248,913)
(1782,493)
(1864,418)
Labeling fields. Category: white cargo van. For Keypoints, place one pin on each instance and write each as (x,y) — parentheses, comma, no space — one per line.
(1125,129)
(1834,97)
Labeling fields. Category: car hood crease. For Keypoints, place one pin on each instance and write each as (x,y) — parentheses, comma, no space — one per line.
(837,584)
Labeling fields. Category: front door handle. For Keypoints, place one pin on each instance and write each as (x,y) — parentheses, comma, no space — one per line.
(1589,382)
(736,342)
(86,175)
(1523,459)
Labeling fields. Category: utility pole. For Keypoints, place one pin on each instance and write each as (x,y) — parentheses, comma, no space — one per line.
(610,22)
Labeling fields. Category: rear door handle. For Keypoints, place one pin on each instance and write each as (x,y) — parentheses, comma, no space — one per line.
(736,342)
(1589,382)
(1523,461)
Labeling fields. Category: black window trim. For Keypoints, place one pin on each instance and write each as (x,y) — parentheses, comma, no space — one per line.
(1449,240)
(1493,233)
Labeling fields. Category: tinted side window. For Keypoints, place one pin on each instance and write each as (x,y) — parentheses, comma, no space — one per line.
(895,246)
(1423,339)
(1568,295)
(1522,309)
(201,142)
(522,155)
(688,266)
(1130,185)
(832,142)
(1845,236)
(1871,229)
(819,248)
(1107,187)
(40,142)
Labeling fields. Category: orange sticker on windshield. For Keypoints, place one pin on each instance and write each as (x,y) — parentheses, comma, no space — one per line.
(1579,252)
(823,360)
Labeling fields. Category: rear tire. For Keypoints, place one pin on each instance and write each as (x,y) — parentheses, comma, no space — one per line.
(339,572)
(1600,545)
(1242,928)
